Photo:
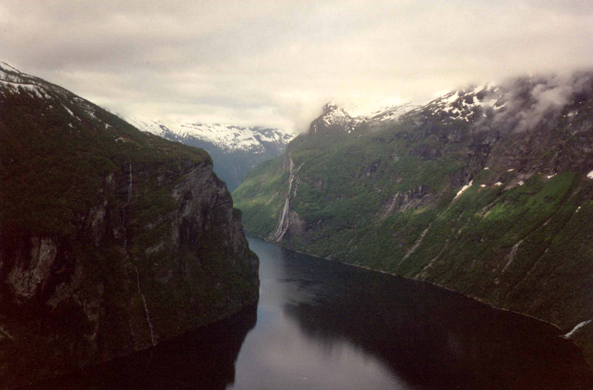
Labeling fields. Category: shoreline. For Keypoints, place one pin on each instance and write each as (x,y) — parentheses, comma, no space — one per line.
(562,332)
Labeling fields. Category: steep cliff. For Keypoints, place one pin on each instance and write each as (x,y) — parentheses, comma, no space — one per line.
(487,190)
(111,240)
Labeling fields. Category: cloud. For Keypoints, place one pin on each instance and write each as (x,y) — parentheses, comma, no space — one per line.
(523,103)
(277,62)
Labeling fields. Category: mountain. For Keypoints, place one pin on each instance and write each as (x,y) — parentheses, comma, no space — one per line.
(112,240)
(235,150)
(336,119)
(486,190)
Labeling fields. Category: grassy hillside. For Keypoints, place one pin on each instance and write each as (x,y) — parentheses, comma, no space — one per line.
(501,215)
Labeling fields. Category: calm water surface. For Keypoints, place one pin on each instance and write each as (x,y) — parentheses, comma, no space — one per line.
(325,325)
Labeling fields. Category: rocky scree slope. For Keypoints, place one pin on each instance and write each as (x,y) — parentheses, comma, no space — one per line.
(487,191)
(111,240)
(235,150)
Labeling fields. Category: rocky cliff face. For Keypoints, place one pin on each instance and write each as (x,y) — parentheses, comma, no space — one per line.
(111,240)
(486,190)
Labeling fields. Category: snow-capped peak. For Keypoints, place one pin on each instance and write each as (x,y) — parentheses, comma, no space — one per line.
(334,119)
(6,65)
(462,104)
(335,109)
(225,136)
(14,81)
(11,74)
(333,113)
(392,113)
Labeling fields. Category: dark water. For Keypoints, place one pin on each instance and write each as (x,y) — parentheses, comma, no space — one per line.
(325,325)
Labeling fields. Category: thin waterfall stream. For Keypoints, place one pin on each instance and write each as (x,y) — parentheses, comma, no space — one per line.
(146,312)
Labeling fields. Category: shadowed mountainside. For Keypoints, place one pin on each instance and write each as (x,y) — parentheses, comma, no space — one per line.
(112,240)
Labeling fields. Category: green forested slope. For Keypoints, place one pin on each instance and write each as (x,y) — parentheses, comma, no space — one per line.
(389,196)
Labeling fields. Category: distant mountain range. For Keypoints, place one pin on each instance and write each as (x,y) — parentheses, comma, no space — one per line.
(234,149)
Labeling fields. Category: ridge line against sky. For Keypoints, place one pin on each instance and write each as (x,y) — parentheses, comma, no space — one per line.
(270,63)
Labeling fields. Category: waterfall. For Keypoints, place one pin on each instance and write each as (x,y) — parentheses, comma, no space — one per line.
(152,338)
(130,186)
(4,333)
(124,221)
(130,196)
(579,326)
(283,223)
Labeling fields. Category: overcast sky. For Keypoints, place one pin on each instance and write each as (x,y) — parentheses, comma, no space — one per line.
(274,62)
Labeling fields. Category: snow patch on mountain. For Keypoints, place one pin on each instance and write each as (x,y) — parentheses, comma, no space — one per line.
(392,113)
(463,189)
(337,117)
(13,81)
(576,328)
(30,88)
(6,65)
(70,112)
(227,137)
(334,117)
(465,104)
(333,114)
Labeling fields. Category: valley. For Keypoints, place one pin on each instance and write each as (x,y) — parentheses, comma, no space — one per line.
(485,191)
(481,191)
(305,195)
(235,150)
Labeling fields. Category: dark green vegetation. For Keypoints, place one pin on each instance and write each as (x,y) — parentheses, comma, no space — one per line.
(110,239)
(51,171)
(385,196)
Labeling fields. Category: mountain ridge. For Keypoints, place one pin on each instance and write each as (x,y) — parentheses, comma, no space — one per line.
(485,190)
(113,240)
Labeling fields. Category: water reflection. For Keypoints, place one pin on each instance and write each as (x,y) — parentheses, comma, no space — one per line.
(277,354)
(457,343)
(203,359)
(343,327)
(325,325)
